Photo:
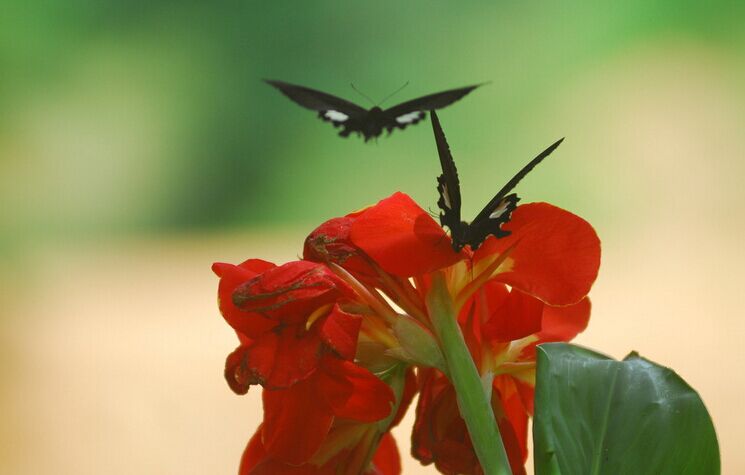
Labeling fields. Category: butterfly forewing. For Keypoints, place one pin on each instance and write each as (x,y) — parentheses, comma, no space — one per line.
(331,108)
(448,184)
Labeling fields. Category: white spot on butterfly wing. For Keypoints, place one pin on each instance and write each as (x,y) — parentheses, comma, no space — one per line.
(501,208)
(410,117)
(336,116)
(446,197)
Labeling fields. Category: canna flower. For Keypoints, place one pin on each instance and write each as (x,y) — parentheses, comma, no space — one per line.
(510,295)
(330,337)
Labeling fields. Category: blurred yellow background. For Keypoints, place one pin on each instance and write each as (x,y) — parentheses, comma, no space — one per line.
(138,145)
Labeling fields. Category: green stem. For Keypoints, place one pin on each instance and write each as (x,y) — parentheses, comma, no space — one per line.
(474,406)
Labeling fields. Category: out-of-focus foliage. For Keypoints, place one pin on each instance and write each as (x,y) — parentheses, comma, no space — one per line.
(129,116)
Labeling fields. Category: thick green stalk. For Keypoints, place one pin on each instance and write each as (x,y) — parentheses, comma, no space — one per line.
(473,403)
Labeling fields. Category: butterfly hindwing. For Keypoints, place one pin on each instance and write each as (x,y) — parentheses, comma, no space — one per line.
(499,213)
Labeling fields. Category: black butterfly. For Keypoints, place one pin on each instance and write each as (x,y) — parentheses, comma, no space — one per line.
(496,213)
(369,123)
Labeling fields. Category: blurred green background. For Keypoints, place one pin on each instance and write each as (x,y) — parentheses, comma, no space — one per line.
(138,144)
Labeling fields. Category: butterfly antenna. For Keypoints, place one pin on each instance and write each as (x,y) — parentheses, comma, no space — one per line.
(393,93)
(362,93)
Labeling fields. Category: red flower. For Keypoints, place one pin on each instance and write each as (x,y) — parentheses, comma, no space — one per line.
(307,328)
(271,311)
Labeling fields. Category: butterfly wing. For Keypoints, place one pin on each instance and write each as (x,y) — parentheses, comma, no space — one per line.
(330,108)
(499,210)
(448,184)
(411,112)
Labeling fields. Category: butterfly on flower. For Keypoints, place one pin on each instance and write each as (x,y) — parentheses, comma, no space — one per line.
(496,213)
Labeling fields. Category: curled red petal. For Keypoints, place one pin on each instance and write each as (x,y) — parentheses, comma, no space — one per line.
(236,375)
(231,276)
(402,238)
(339,330)
(556,254)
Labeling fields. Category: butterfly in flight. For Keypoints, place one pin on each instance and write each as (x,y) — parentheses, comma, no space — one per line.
(367,122)
(496,213)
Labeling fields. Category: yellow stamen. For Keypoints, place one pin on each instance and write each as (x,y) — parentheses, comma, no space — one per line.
(318,313)
(482,277)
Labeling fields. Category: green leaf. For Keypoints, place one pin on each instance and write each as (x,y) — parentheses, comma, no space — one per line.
(595,415)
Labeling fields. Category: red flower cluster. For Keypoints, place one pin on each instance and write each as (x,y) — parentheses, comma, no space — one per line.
(334,339)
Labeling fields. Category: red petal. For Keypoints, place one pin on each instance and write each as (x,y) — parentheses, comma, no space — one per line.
(256,462)
(511,315)
(231,276)
(353,392)
(253,455)
(279,360)
(296,421)
(512,419)
(386,461)
(564,323)
(402,238)
(291,292)
(339,330)
(556,255)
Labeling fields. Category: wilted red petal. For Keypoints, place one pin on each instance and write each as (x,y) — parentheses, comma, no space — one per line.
(339,330)
(402,238)
(386,461)
(231,276)
(236,375)
(296,420)
(291,292)
(330,242)
(510,315)
(280,359)
(556,254)
(353,392)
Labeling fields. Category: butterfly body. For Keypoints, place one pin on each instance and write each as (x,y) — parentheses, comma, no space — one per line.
(369,123)
(491,218)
